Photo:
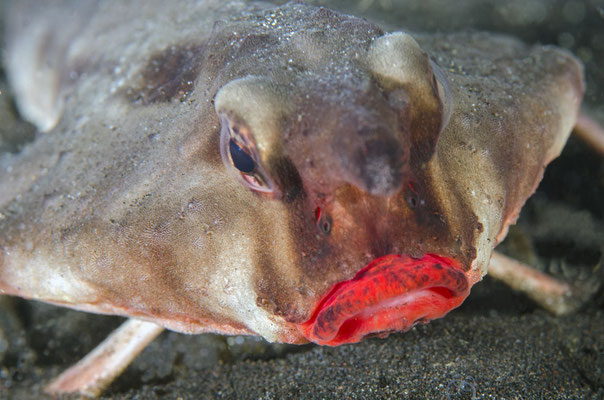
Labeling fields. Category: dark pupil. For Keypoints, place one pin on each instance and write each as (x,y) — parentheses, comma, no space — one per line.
(241,160)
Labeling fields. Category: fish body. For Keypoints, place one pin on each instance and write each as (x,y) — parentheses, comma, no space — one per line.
(288,172)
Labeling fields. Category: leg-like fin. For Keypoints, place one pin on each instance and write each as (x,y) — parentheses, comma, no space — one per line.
(591,132)
(553,295)
(92,374)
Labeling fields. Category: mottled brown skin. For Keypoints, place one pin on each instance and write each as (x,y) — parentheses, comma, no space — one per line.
(125,205)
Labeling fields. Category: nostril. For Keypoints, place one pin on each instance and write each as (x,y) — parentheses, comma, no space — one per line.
(411,196)
(324,221)
(326,225)
(412,199)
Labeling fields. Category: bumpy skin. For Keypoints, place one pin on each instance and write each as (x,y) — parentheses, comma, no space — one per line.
(124,206)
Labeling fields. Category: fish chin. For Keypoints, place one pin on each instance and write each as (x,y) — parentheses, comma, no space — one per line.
(392,293)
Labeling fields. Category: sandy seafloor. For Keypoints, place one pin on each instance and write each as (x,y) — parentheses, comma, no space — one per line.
(497,345)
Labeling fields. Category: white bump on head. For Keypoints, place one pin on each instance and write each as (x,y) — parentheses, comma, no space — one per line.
(396,60)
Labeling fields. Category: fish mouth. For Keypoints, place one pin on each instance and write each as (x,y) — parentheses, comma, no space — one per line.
(392,293)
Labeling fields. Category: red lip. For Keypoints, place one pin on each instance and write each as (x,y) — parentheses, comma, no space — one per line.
(392,293)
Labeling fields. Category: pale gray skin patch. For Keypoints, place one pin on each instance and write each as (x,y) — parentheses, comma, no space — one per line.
(125,207)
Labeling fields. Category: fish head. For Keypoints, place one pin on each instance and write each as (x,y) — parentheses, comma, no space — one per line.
(291,172)
(342,151)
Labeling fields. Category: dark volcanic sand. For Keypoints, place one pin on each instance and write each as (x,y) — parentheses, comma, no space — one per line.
(497,345)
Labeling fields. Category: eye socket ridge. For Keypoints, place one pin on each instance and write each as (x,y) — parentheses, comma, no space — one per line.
(238,155)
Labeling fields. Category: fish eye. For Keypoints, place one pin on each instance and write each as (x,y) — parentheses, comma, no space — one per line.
(239,155)
(241,160)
